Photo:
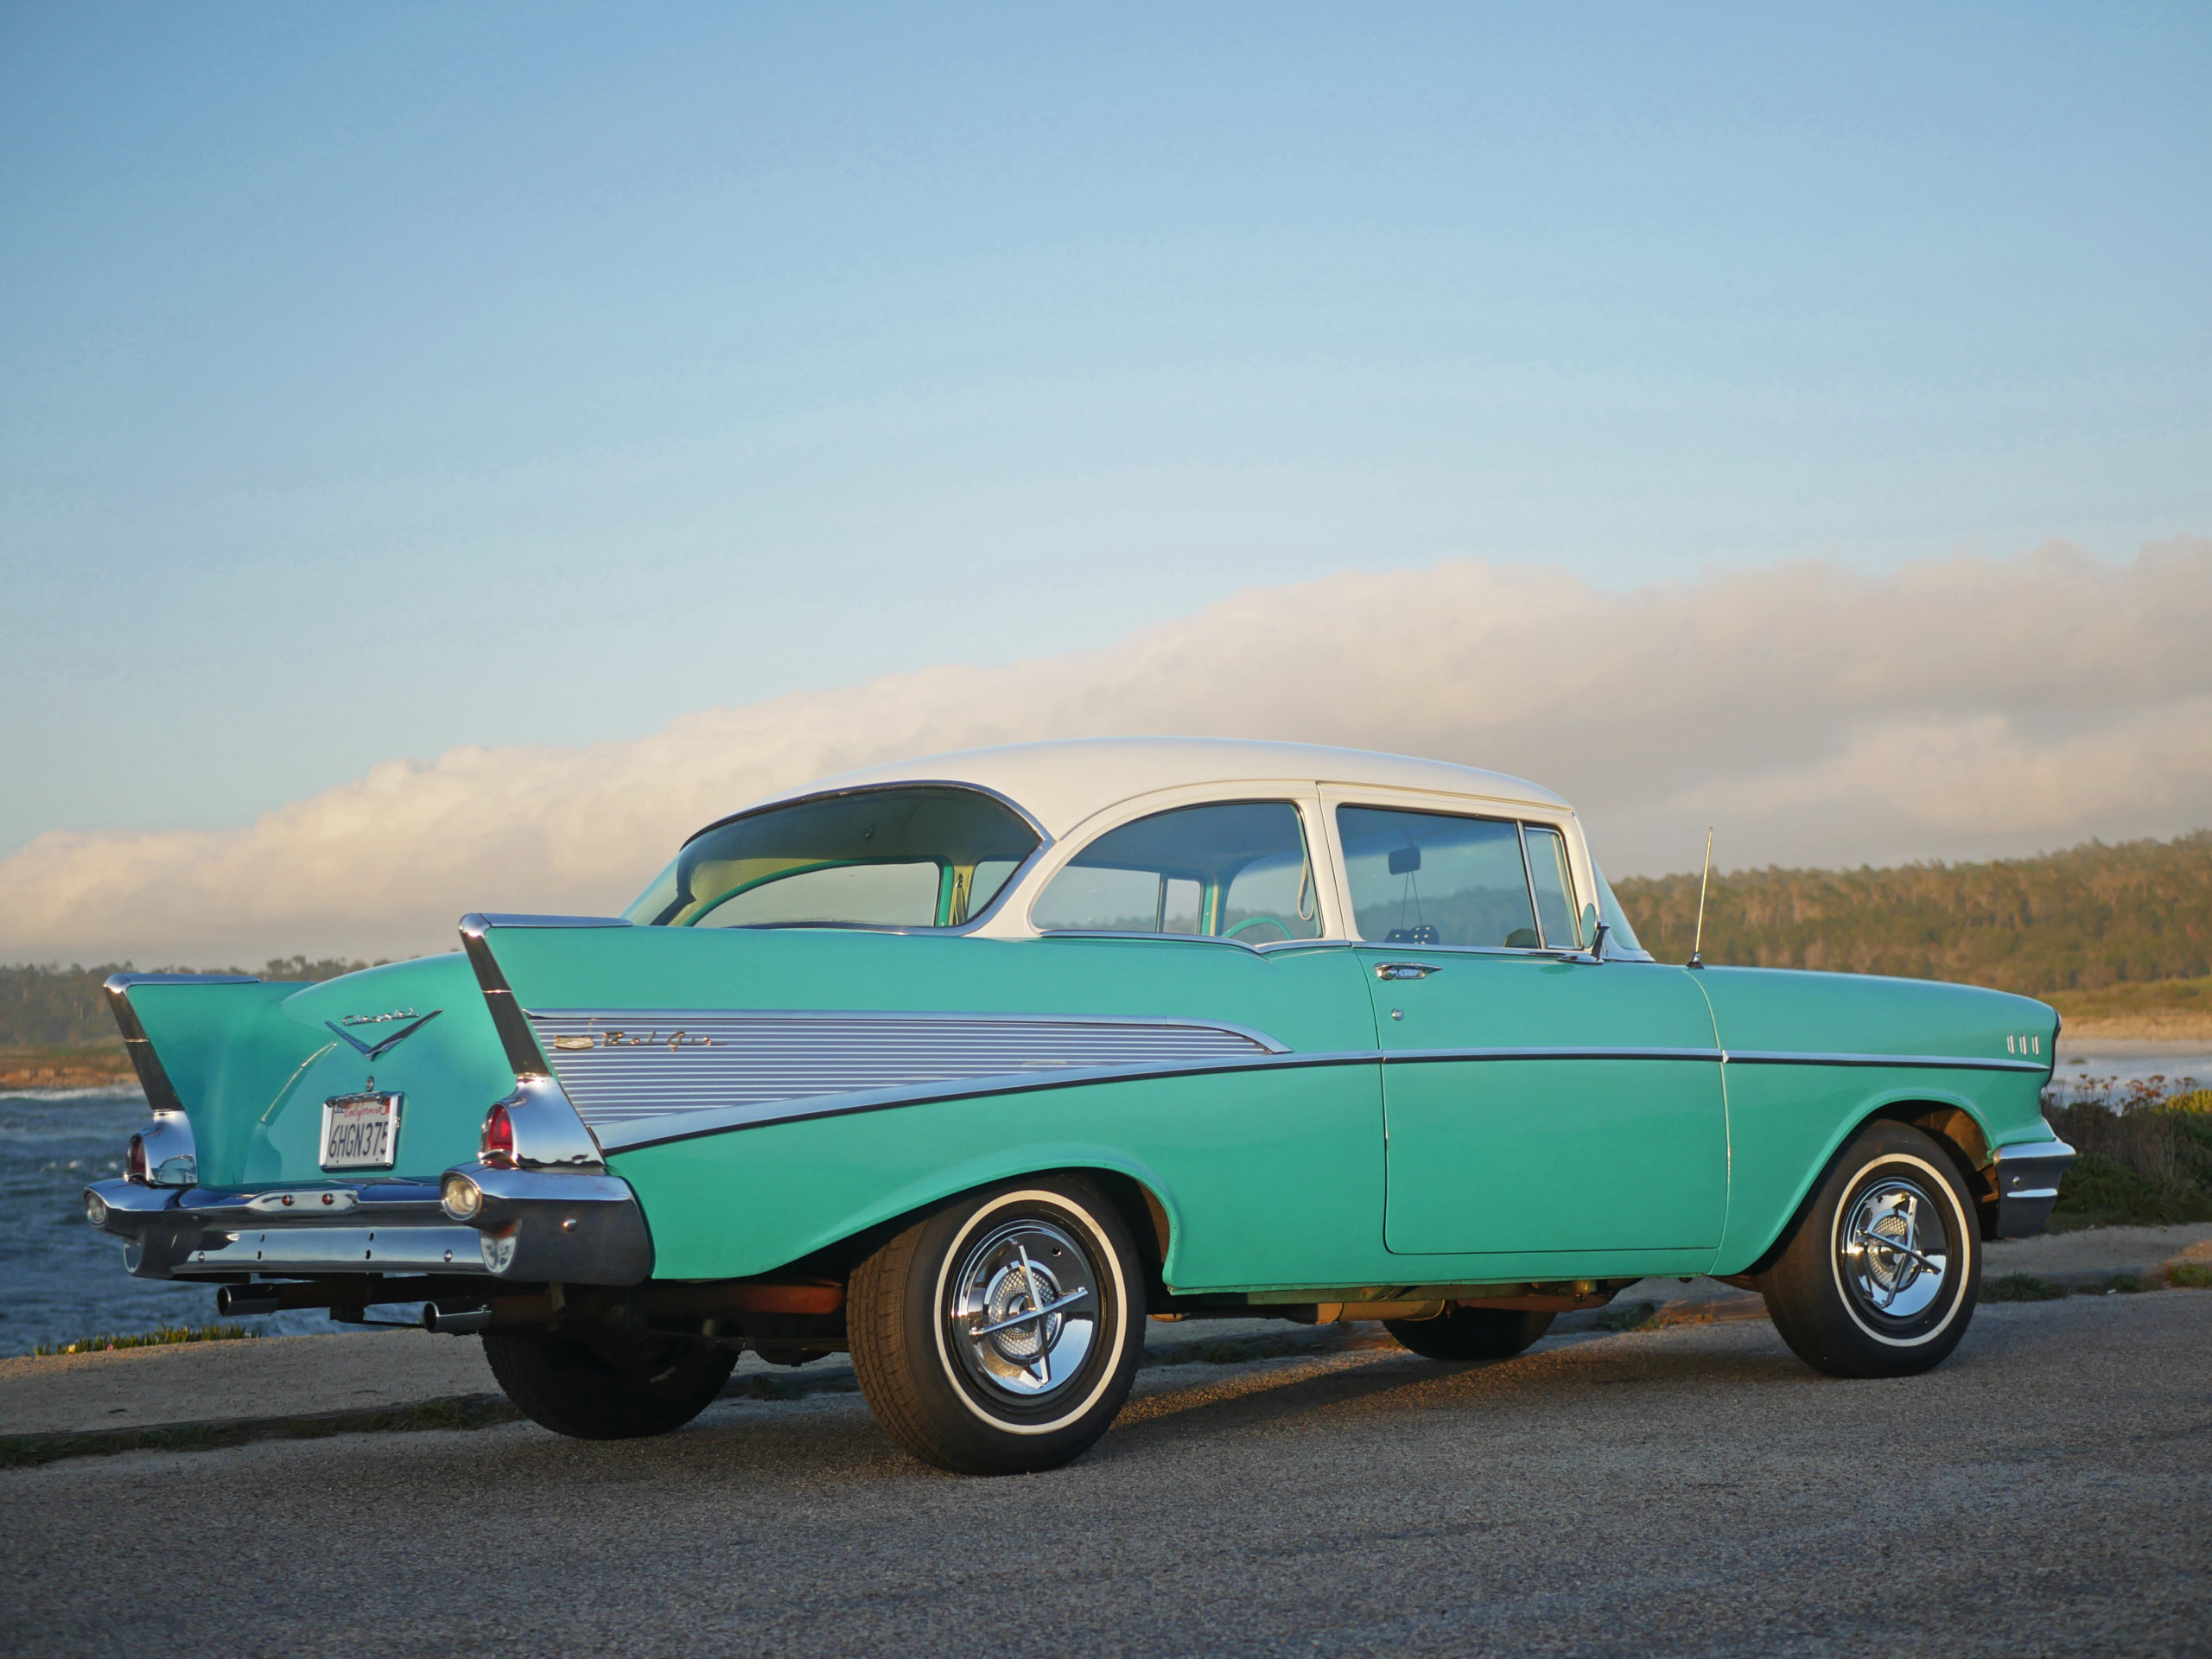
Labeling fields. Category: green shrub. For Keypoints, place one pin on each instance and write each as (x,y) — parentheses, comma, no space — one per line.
(2147,1166)
(2189,1275)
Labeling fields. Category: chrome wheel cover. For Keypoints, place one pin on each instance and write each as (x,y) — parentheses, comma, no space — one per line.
(1893,1255)
(1022,1311)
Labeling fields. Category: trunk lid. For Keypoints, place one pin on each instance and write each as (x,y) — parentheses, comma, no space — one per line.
(251,1063)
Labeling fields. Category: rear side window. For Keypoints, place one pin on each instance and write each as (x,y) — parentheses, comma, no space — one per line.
(904,856)
(1234,870)
(1435,878)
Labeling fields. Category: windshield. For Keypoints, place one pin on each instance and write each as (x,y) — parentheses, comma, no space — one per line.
(923,856)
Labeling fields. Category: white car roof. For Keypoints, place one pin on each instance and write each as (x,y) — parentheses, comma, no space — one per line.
(1061,784)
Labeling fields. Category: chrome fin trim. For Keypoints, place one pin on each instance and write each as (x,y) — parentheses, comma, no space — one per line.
(161,1093)
(621,1066)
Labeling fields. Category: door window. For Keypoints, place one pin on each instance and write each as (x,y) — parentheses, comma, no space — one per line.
(1234,869)
(1434,877)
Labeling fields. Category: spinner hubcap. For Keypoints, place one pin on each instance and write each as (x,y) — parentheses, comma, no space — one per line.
(1023,1310)
(1893,1253)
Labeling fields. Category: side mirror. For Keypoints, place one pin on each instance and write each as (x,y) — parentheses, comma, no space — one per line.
(1599,941)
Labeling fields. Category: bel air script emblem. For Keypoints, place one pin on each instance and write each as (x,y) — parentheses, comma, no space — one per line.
(673,1039)
(373,1026)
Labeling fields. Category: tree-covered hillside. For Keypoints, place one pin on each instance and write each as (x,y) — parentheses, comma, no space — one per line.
(2092,917)
(55,1008)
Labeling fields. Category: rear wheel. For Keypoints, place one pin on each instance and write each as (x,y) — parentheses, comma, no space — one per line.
(606,1392)
(1471,1332)
(1000,1336)
(1880,1275)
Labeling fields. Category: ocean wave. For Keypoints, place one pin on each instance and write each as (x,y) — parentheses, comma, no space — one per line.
(61,1095)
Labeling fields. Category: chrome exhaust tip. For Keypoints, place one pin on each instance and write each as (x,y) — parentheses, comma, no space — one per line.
(230,1300)
(458,1322)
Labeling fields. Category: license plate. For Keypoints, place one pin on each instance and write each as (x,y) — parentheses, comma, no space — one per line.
(361,1131)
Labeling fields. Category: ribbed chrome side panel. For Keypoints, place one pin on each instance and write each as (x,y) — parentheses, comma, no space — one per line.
(652,1063)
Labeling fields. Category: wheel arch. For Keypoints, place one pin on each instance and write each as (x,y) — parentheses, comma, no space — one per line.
(1140,1198)
(1952,1120)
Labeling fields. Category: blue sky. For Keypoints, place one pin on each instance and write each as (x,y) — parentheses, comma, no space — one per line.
(385,379)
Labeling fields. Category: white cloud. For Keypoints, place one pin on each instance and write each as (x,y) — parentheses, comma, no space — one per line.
(1955,707)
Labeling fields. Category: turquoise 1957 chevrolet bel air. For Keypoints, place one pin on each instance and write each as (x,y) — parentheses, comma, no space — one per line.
(969,1065)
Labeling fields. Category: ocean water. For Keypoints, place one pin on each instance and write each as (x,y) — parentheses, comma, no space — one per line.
(2174,1067)
(61,1280)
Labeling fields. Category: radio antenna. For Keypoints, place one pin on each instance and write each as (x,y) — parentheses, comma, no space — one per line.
(1697,949)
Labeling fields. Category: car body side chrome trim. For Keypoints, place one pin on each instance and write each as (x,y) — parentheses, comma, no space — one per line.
(643,1127)
(1555,1052)
(1938,1062)
(637,1133)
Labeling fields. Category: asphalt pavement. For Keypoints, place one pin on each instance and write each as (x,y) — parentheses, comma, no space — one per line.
(1686,1489)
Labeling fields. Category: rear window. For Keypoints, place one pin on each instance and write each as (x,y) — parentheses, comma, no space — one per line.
(919,855)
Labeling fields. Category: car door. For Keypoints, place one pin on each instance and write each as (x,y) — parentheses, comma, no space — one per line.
(1535,1100)
(1217,911)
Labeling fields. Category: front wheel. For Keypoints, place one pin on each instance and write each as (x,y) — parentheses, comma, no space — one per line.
(1880,1275)
(1000,1335)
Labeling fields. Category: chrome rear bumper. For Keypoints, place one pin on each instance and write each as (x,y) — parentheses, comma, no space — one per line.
(530,1225)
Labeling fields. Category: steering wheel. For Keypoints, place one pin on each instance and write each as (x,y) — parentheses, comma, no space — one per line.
(1280,926)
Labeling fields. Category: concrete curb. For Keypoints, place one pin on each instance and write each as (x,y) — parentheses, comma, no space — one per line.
(471,1411)
(462,1411)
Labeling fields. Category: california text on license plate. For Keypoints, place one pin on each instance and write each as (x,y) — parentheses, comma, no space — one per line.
(361,1131)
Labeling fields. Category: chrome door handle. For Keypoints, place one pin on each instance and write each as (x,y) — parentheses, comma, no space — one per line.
(1406,969)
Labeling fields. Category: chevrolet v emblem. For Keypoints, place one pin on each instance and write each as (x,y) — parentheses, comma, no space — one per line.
(373,1021)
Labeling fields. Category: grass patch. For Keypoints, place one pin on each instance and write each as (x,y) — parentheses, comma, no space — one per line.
(2189,1275)
(161,1337)
(2021,1287)
(1632,1316)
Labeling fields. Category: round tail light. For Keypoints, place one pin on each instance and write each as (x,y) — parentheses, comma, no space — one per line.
(497,1145)
(134,1161)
